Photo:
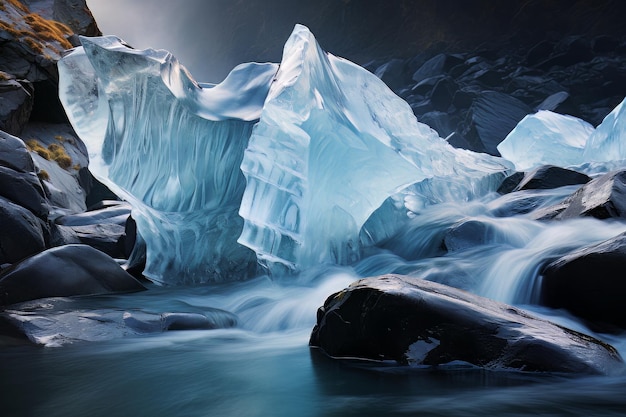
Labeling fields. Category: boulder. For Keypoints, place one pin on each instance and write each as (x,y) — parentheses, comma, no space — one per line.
(603,198)
(21,233)
(64,271)
(61,321)
(421,323)
(589,283)
(14,154)
(24,189)
(547,177)
(493,116)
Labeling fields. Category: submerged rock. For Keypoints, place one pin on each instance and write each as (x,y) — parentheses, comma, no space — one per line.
(417,322)
(64,271)
(589,282)
(60,321)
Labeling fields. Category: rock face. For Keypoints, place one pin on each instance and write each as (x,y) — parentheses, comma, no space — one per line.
(64,271)
(589,282)
(16,103)
(602,198)
(416,322)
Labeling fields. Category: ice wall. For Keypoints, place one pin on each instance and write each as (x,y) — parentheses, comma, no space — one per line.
(322,143)
(170,146)
(332,144)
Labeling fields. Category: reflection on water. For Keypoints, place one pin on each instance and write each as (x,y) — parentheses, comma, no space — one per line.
(264,367)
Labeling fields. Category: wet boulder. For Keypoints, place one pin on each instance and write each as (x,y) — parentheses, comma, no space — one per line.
(104,229)
(589,283)
(64,271)
(421,323)
(24,189)
(21,233)
(547,177)
(603,198)
(14,154)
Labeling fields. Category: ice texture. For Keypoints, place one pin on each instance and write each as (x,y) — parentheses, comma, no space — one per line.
(546,138)
(332,144)
(608,142)
(172,148)
(281,167)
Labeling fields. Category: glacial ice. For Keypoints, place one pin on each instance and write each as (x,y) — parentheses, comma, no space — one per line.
(171,147)
(607,142)
(546,138)
(287,161)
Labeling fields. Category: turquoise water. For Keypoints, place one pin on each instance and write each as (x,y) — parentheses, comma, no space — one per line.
(263,366)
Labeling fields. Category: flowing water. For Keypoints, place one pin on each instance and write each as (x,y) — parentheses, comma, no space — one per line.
(263,366)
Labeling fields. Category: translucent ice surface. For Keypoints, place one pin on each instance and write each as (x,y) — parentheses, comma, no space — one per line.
(332,144)
(281,167)
(546,138)
(172,148)
(608,142)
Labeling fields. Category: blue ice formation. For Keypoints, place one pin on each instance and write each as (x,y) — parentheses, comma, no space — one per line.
(171,147)
(551,138)
(608,142)
(546,138)
(280,165)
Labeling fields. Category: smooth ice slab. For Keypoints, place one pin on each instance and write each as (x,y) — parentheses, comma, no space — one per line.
(171,147)
(332,144)
(546,138)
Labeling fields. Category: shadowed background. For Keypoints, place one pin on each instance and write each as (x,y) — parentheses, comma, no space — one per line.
(211,37)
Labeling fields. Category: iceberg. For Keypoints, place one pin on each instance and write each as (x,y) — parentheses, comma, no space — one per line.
(546,138)
(279,164)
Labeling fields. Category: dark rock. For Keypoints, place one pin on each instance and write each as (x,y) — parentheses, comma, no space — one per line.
(437,65)
(103,229)
(589,283)
(569,51)
(21,233)
(64,271)
(392,73)
(510,182)
(104,237)
(425,86)
(603,198)
(604,44)
(114,214)
(442,94)
(417,322)
(547,177)
(494,115)
(538,53)
(14,155)
(553,101)
(77,16)
(467,234)
(16,103)
(24,189)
